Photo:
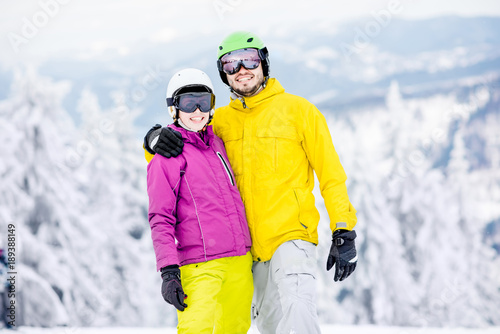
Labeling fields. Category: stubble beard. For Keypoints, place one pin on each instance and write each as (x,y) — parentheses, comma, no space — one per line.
(250,90)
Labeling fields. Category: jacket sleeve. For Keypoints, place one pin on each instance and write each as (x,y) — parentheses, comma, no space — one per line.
(326,163)
(147,155)
(163,186)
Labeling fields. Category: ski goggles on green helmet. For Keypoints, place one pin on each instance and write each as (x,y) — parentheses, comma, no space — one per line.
(231,62)
(189,102)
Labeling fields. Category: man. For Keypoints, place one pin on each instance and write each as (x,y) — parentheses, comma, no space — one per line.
(275,141)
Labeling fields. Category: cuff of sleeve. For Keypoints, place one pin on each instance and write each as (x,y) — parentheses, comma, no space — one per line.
(150,136)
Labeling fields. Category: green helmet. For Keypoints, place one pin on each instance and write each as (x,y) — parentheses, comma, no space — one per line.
(242,40)
(239,40)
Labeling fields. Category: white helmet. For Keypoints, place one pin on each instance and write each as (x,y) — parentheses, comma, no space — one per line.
(187,80)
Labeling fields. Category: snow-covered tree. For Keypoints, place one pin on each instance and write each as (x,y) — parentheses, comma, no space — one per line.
(422,256)
(79,203)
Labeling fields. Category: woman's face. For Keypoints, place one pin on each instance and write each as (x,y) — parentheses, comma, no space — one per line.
(195,120)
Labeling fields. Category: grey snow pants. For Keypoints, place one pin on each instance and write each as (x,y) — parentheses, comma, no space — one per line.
(285,290)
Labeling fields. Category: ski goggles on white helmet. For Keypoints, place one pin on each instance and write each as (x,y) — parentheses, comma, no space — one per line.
(189,102)
(231,62)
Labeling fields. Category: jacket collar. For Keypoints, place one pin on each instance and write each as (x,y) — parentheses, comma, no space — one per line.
(195,138)
(272,88)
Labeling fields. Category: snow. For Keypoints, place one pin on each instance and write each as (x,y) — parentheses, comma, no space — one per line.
(325,329)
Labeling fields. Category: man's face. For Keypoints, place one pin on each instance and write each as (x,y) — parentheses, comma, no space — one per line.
(246,82)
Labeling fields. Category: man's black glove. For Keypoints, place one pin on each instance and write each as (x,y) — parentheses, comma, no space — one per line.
(164,141)
(171,288)
(343,253)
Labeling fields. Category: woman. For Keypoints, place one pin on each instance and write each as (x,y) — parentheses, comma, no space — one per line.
(198,225)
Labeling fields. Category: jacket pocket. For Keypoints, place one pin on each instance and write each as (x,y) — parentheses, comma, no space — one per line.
(226,168)
(275,147)
(308,213)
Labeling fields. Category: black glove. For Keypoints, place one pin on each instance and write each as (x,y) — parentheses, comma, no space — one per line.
(343,253)
(171,288)
(164,141)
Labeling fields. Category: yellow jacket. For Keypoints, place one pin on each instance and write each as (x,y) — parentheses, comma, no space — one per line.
(274,141)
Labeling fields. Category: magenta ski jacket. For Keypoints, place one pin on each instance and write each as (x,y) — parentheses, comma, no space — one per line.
(195,210)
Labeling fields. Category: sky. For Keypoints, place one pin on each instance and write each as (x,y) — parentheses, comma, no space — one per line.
(34,30)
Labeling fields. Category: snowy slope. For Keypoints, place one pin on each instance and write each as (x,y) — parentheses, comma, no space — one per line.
(325,329)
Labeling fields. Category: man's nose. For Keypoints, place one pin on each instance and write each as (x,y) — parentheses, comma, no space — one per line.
(242,69)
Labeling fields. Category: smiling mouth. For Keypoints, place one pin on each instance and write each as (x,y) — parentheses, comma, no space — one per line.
(197,119)
(243,79)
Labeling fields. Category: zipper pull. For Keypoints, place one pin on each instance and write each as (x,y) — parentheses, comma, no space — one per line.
(243,102)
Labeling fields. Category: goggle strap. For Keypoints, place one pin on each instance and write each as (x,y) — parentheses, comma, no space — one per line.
(263,53)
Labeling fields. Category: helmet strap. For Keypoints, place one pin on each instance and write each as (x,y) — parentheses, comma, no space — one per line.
(264,84)
(173,112)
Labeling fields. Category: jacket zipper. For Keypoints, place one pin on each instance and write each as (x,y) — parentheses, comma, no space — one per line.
(226,167)
(243,102)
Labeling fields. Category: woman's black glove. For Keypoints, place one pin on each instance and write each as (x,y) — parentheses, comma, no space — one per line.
(171,288)
(343,253)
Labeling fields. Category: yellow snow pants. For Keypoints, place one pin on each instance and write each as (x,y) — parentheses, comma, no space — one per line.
(219,296)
